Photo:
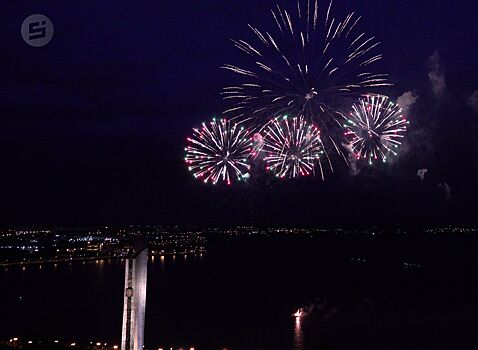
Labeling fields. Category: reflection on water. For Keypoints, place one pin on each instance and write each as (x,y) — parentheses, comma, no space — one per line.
(298,335)
(163,259)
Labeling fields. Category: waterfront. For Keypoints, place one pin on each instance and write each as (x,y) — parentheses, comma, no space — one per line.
(242,292)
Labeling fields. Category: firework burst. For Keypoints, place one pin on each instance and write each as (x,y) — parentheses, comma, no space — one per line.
(218,152)
(291,147)
(375,128)
(310,64)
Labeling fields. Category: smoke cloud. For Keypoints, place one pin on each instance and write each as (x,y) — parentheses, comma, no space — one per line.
(472,100)
(446,188)
(422,173)
(352,159)
(436,74)
(407,100)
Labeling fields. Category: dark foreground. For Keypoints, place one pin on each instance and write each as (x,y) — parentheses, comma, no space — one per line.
(368,292)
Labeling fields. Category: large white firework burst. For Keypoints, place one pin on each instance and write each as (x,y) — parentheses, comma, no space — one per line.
(219,151)
(310,64)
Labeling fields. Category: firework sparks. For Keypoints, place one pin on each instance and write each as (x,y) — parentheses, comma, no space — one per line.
(291,147)
(306,66)
(375,128)
(218,152)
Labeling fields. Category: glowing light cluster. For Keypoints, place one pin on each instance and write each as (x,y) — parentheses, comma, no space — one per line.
(298,314)
(291,147)
(375,128)
(218,151)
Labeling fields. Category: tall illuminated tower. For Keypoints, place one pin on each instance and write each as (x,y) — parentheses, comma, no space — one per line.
(134,300)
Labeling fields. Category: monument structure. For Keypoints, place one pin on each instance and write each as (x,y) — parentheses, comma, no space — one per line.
(134,300)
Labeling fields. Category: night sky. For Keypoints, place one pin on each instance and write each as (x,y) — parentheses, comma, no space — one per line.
(93,124)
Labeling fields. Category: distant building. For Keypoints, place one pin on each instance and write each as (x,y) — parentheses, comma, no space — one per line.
(94,247)
(134,300)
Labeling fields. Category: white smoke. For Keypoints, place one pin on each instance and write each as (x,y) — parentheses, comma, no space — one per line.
(472,100)
(436,74)
(316,306)
(407,100)
(421,173)
(352,159)
(446,188)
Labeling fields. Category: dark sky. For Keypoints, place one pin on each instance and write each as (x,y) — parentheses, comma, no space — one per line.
(93,124)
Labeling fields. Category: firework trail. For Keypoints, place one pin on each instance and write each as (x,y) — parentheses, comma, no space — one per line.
(291,147)
(310,64)
(375,128)
(218,152)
